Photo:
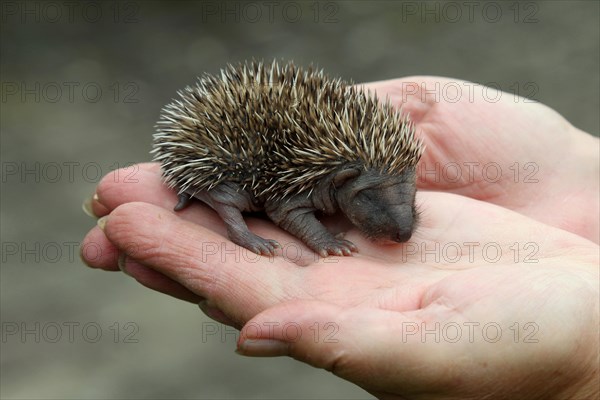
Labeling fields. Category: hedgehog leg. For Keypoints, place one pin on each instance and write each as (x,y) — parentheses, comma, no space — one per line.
(229,200)
(183,201)
(297,216)
(240,234)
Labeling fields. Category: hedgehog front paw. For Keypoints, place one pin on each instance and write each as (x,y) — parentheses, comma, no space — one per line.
(335,247)
(256,244)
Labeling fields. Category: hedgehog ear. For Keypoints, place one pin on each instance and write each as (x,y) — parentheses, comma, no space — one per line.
(343,176)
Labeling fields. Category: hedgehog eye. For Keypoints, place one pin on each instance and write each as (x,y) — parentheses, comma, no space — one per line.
(363,195)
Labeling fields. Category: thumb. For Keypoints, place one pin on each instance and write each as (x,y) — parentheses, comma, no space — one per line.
(376,349)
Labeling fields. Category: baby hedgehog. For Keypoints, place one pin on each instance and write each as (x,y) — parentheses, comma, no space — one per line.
(291,142)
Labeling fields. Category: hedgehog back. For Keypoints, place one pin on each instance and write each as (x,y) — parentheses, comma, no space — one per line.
(276,130)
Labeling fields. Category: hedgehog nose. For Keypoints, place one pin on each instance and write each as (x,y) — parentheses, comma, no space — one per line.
(403,236)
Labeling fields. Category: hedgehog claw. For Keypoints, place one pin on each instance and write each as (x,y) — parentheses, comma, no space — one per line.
(260,246)
(336,247)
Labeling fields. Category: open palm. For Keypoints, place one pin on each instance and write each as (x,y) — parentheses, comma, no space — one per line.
(481,301)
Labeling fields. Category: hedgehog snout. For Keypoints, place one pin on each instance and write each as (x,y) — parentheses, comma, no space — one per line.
(403,235)
(404,220)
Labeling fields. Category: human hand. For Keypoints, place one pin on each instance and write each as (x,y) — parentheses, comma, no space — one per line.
(503,149)
(369,311)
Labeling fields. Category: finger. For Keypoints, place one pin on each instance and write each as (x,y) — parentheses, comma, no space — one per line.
(157,281)
(376,349)
(95,207)
(96,251)
(140,182)
(203,261)
(407,94)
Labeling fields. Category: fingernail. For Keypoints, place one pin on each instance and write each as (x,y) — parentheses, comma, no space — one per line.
(102,222)
(87,207)
(121,262)
(263,348)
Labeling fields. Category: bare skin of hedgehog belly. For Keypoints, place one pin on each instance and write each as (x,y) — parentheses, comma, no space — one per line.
(381,206)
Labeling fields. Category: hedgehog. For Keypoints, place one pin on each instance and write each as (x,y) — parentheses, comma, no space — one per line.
(295,144)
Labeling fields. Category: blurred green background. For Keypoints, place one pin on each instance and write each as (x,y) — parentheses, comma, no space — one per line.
(82,87)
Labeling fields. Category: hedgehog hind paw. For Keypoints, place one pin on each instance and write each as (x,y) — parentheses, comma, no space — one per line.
(335,247)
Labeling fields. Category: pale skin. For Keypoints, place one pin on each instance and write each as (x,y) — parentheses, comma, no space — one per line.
(369,309)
